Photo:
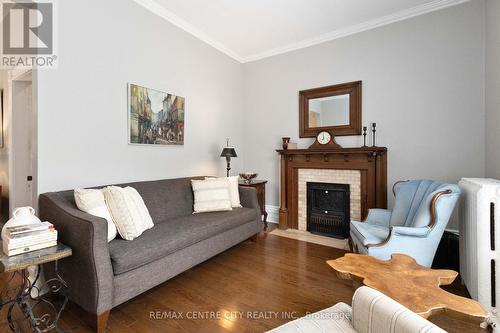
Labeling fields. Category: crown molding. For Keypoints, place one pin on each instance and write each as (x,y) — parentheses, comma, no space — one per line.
(164,13)
(354,29)
(161,11)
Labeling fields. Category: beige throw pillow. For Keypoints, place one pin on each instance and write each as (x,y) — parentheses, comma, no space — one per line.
(234,191)
(147,221)
(131,219)
(211,195)
(92,201)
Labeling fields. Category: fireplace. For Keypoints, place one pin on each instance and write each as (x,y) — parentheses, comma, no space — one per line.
(328,209)
(364,169)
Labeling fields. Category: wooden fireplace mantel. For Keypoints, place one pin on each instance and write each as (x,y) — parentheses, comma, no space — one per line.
(370,161)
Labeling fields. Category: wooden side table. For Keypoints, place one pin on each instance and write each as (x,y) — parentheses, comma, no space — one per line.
(260,187)
(23,297)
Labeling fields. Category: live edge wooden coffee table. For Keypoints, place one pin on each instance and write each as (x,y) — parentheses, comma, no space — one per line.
(414,286)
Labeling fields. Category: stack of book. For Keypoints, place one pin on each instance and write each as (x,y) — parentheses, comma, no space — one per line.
(29,237)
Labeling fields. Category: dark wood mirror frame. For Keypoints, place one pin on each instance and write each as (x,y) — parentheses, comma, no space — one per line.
(354,127)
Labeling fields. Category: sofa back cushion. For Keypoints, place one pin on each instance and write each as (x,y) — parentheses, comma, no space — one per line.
(165,199)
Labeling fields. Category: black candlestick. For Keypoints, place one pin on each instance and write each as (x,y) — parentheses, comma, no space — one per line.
(374,125)
(364,136)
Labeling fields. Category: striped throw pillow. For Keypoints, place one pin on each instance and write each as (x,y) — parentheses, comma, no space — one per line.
(211,195)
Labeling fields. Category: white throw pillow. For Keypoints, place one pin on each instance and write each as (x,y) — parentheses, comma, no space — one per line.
(125,212)
(234,191)
(147,221)
(92,201)
(211,195)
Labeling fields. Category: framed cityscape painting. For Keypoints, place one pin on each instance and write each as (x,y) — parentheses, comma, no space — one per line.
(155,117)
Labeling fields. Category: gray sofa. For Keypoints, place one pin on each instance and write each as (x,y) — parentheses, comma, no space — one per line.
(102,276)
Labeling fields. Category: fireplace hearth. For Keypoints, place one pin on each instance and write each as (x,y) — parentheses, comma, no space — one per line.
(328,209)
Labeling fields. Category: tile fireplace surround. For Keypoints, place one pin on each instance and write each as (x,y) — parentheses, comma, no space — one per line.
(333,176)
(364,169)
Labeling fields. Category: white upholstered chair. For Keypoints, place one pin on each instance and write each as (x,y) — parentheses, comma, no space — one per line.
(371,312)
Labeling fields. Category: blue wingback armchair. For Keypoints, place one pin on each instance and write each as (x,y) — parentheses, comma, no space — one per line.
(414,227)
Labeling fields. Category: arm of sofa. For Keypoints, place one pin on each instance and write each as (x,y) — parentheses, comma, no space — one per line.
(88,271)
(373,311)
(248,198)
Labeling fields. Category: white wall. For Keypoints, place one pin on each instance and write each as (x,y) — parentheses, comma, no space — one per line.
(423,84)
(493,89)
(83,104)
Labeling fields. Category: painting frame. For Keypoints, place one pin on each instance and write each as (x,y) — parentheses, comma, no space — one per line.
(154,117)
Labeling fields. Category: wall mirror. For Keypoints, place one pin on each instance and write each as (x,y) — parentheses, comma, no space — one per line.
(334,108)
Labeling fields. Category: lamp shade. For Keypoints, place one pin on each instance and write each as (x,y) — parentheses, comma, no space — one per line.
(228,152)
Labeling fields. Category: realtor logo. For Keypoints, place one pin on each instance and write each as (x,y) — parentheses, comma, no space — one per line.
(28,35)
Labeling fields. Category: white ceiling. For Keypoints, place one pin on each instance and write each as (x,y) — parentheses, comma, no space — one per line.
(248,30)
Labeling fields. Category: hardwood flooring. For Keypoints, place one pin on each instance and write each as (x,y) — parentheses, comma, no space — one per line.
(252,287)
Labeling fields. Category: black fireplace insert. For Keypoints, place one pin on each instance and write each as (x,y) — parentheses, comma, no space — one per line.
(328,209)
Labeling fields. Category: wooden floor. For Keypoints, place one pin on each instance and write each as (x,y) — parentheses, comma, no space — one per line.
(252,287)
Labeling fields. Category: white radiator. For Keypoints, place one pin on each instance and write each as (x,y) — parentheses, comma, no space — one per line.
(480,240)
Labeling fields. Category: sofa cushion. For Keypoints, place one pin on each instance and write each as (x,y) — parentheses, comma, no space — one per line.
(368,233)
(173,235)
(167,198)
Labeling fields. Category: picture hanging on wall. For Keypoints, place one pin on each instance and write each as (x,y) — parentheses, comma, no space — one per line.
(155,117)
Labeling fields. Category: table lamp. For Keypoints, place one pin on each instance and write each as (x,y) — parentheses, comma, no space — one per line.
(228,152)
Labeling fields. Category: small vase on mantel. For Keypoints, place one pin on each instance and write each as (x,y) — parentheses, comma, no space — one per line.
(286,141)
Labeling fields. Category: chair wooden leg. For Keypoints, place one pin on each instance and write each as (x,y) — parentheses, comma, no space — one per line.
(98,322)
(351,247)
